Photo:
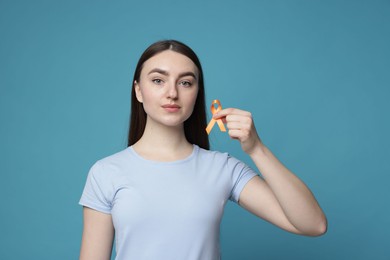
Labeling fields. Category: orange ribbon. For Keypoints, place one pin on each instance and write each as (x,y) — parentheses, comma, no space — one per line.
(212,121)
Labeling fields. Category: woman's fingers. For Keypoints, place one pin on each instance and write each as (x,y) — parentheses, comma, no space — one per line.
(239,122)
(231,111)
(240,126)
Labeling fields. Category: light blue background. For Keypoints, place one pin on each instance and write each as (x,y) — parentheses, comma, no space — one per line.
(315,75)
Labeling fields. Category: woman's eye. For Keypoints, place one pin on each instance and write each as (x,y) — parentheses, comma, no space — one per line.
(186,83)
(157,81)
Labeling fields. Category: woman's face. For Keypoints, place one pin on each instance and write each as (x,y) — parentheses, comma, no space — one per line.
(168,88)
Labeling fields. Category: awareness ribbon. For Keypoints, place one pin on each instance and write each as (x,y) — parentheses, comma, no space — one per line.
(212,121)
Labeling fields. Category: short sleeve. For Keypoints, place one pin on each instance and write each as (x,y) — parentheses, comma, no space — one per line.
(96,191)
(241,174)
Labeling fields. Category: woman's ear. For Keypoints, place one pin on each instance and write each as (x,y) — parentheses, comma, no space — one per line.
(137,90)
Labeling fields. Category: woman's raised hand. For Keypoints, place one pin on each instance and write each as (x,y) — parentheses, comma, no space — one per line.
(241,127)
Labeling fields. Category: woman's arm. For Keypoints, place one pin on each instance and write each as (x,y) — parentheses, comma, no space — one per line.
(279,197)
(98,235)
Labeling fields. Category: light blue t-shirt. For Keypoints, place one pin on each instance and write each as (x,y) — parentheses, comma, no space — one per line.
(166,210)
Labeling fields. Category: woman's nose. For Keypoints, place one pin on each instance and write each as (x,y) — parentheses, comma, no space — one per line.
(172,91)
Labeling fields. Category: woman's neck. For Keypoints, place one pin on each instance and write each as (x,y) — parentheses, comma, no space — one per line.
(163,143)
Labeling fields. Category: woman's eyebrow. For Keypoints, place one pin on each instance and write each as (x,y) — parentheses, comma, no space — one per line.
(166,73)
(189,73)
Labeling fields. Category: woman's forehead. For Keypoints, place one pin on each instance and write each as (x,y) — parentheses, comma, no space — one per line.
(170,61)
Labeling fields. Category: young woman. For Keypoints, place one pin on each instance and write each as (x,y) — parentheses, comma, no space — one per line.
(163,197)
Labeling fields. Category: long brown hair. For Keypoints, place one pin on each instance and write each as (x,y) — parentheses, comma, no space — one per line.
(194,126)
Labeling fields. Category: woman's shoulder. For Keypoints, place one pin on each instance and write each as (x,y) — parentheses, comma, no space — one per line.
(112,163)
(214,154)
(218,156)
(121,155)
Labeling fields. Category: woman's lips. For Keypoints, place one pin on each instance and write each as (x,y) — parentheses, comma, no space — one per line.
(171,108)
